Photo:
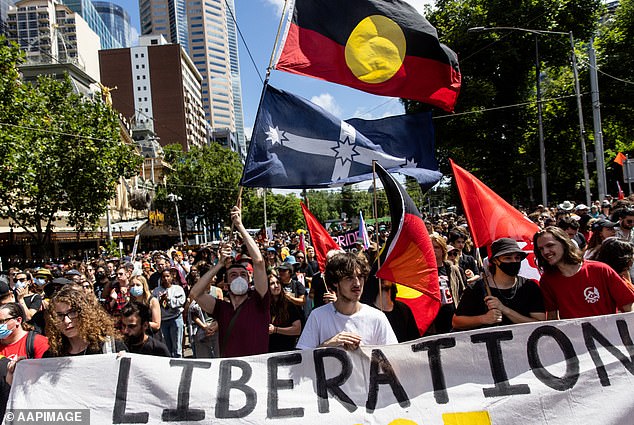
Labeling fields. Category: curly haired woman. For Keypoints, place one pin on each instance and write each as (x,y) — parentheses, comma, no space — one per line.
(77,326)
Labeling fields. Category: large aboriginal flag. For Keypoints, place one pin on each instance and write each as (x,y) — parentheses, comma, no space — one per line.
(383,47)
(408,256)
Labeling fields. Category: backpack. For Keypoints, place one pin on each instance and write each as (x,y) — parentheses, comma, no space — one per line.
(30,344)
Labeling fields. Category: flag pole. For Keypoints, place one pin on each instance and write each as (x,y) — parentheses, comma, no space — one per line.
(239,204)
(376,232)
(277,37)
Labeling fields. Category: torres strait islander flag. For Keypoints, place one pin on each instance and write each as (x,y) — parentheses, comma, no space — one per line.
(383,47)
(408,255)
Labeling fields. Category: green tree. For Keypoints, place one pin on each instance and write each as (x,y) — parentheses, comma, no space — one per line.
(62,153)
(206,178)
(615,57)
(498,68)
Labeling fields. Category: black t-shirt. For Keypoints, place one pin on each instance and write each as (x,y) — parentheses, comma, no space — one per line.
(525,298)
(152,347)
(118,346)
(34,301)
(295,287)
(154,280)
(5,388)
(403,322)
(279,342)
(467,262)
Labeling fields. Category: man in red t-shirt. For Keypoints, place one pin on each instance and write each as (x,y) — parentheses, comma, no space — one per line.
(13,337)
(244,321)
(573,287)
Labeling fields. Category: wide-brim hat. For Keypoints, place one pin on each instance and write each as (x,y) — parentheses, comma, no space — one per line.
(506,246)
(566,206)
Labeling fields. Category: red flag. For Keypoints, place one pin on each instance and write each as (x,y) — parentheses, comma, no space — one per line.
(381,47)
(322,241)
(408,256)
(621,194)
(490,217)
(620,159)
(302,242)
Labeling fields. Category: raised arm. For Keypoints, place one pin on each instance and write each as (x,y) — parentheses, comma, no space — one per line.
(259,269)
(206,301)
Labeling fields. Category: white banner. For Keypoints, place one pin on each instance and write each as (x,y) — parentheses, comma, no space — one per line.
(567,372)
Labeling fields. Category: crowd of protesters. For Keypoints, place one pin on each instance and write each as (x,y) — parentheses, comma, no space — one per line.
(249,295)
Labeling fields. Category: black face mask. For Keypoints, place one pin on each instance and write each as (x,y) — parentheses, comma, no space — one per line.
(511,269)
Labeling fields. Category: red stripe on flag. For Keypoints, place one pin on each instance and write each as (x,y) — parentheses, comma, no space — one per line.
(422,79)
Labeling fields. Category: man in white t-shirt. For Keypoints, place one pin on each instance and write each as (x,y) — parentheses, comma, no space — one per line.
(346,323)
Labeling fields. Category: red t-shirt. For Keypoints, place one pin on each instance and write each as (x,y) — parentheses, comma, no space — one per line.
(18,348)
(250,332)
(594,290)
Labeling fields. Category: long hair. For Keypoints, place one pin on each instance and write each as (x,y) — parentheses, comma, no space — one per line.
(93,323)
(279,306)
(435,237)
(147,295)
(571,254)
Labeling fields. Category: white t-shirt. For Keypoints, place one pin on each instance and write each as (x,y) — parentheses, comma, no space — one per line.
(325,322)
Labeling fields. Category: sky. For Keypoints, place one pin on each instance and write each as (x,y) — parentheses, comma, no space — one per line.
(258,21)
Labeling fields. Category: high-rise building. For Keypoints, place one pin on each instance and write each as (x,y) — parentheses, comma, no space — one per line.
(56,40)
(159,86)
(4,9)
(166,17)
(87,11)
(213,47)
(117,20)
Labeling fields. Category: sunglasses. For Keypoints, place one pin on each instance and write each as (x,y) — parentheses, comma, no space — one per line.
(452,254)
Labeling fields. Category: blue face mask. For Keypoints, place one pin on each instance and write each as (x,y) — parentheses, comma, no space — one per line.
(39,282)
(4,331)
(136,291)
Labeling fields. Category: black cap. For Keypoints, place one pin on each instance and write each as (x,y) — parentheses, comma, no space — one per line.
(285,266)
(4,289)
(601,223)
(505,246)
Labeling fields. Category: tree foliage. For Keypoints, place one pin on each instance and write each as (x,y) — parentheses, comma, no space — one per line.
(206,178)
(500,145)
(62,152)
(615,58)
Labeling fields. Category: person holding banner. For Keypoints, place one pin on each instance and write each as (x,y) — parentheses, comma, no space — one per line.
(244,321)
(573,287)
(508,299)
(347,322)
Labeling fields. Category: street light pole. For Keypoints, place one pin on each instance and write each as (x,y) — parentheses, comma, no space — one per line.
(542,146)
(175,198)
(582,128)
(539,109)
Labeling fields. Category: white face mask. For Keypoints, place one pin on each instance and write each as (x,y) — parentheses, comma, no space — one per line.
(239,286)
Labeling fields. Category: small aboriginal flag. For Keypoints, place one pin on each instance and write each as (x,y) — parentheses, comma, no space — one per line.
(383,47)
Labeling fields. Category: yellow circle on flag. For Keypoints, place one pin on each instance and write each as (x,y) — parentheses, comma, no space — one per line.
(375,49)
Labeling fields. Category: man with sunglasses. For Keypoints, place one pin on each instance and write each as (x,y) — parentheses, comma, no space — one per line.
(15,341)
(31,303)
